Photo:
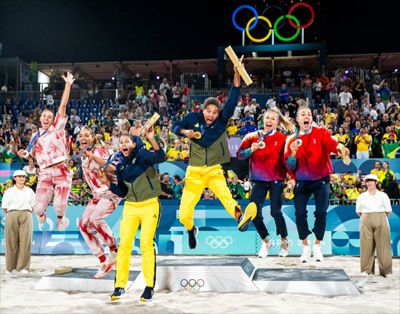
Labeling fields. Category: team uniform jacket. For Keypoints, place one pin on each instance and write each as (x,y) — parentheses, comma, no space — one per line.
(51,148)
(91,168)
(265,164)
(136,177)
(212,148)
(312,160)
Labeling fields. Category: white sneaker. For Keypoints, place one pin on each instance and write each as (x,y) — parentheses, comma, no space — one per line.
(24,271)
(317,253)
(8,272)
(265,246)
(388,275)
(112,258)
(41,219)
(62,223)
(306,255)
(284,251)
(364,274)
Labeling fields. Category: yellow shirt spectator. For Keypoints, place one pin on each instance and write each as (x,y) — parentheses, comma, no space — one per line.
(232,130)
(386,136)
(184,154)
(350,180)
(379,174)
(342,138)
(172,154)
(362,145)
(352,193)
(328,117)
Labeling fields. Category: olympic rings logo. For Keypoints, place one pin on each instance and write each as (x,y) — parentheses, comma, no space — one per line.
(192,284)
(219,242)
(284,17)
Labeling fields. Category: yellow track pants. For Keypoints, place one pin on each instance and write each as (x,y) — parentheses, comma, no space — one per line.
(197,179)
(147,213)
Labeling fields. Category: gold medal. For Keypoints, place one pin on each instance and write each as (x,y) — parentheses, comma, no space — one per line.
(197,135)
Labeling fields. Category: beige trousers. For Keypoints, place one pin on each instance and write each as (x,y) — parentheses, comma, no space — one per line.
(18,239)
(375,234)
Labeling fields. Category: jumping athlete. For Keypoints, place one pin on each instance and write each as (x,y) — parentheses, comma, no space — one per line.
(139,183)
(103,203)
(48,147)
(268,172)
(206,156)
(307,156)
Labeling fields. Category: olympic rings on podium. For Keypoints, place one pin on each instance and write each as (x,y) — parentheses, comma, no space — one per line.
(192,284)
(254,20)
(219,241)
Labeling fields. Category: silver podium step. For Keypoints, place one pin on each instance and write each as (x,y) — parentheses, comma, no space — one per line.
(81,279)
(309,281)
(212,274)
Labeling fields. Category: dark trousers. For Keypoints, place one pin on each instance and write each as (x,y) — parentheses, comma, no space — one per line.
(258,193)
(302,193)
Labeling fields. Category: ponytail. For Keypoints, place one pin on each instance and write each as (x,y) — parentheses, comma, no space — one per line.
(283,122)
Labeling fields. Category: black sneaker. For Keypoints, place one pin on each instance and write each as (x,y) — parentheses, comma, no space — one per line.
(119,293)
(147,295)
(193,237)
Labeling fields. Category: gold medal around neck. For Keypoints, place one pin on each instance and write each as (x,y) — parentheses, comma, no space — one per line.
(262,144)
(298,142)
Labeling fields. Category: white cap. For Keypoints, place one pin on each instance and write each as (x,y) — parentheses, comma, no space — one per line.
(371,177)
(19,173)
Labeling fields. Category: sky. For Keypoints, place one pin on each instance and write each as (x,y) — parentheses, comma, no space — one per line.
(54,31)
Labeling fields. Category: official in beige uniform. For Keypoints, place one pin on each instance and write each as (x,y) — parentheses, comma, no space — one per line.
(373,207)
(17,204)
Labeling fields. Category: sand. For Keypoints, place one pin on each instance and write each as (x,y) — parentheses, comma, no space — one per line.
(379,295)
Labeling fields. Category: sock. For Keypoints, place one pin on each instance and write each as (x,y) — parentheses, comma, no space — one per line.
(113,248)
(102,258)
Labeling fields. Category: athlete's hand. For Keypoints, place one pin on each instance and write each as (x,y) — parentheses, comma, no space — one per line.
(103,178)
(69,79)
(150,132)
(189,133)
(294,148)
(89,154)
(241,64)
(21,153)
(254,146)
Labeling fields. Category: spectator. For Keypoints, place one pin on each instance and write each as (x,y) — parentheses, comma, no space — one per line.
(342,137)
(122,121)
(162,102)
(177,189)
(333,92)
(271,103)
(138,112)
(306,85)
(324,86)
(166,187)
(385,173)
(392,106)
(185,152)
(247,119)
(283,95)
(363,142)
(185,93)
(373,207)
(392,188)
(253,127)
(176,95)
(75,119)
(153,103)
(236,189)
(345,97)
(251,108)
(30,169)
(71,166)
(109,124)
(378,171)
(386,93)
(389,133)
(174,154)
(380,107)
(165,87)
(329,115)
(243,130)
(17,203)
(232,129)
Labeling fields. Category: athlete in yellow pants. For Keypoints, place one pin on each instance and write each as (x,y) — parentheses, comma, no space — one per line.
(139,183)
(146,213)
(208,150)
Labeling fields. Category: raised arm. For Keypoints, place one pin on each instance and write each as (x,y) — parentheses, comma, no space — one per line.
(64,100)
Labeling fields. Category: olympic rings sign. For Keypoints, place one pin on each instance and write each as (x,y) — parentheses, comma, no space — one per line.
(192,284)
(219,242)
(253,21)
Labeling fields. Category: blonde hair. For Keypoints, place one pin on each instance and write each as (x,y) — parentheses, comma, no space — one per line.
(282,120)
(302,108)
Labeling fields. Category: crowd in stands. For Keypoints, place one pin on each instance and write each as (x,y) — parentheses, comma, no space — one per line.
(365,121)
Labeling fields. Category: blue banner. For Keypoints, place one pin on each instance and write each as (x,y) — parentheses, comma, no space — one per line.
(218,231)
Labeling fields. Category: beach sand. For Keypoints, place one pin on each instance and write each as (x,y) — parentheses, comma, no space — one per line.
(379,295)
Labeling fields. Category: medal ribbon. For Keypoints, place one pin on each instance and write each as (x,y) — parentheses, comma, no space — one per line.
(298,131)
(111,159)
(261,138)
(37,135)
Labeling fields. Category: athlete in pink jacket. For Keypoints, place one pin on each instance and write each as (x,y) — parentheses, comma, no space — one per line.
(48,147)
